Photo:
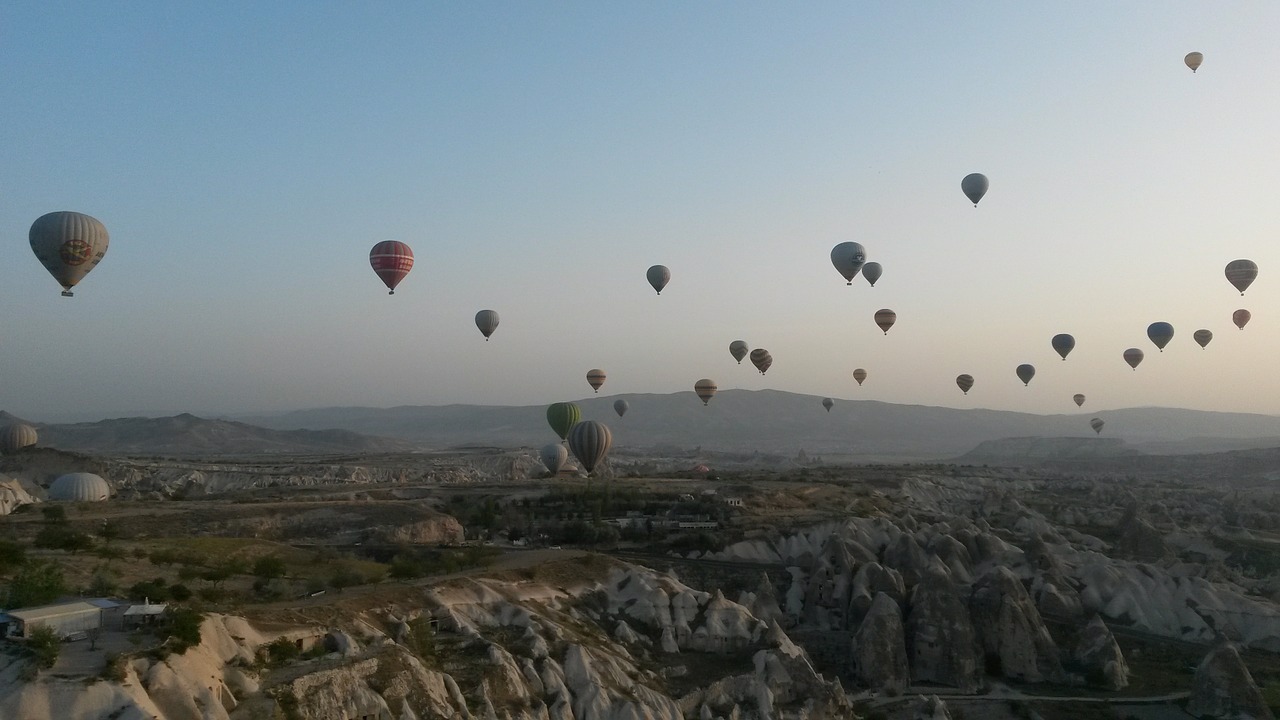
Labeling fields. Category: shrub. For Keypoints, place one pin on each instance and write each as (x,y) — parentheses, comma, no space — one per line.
(45,644)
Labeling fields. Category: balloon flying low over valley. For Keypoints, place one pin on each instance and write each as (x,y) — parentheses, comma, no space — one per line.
(631,189)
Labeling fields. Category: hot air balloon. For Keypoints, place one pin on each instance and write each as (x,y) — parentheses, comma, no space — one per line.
(562,416)
(1025,372)
(392,261)
(1193,60)
(16,436)
(1133,356)
(1097,424)
(738,349)
(1062,344)
(1160,333)
(1241,274)
(487,321)
(859,375)
(848,258)
(620,406)
(828,403)
(590,441)
(1079,399)
(554,456)
(974,186)
(872,272)
(706,389)
(885,319)
(69,245)
(965,383)
(595,378)
(1202,337)
(658,276)
(1241,318)
(761,359)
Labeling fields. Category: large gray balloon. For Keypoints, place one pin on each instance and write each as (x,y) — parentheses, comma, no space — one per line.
(69,245)
(487,321)
(590,442)
(658,277)
(974,186)
(621,406)
(1025,372)
(738,349)
(872,272)
(848,258)
(554,456)
(16,436)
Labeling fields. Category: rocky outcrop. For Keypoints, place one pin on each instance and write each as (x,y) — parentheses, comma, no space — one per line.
(13,494)
(1223,687)
(1098,654)
(942,645)
(1011,630)
(879,648)
(441,530)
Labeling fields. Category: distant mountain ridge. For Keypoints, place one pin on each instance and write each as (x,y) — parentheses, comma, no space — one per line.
(777,421)
(187,434)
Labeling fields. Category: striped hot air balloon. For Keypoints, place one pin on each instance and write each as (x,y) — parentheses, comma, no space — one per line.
(1241,274)
(761,359)
(1079,399)
(1133,356)
(391,260)
(590,442)
(16,436)
(561,416)
(595,378)
(965,383)
(859,374)
(706,389)
(885,319)
(738,349)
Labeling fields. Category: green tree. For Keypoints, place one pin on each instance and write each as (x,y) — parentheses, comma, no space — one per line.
(12,555)
(269,567)
(54,514)
(37,583)
(184,627)
(44,643)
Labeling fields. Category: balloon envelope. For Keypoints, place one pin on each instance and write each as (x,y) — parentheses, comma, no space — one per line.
(69,245)
(620,406)
(848,258)
(561,416)
(487,321)
(706,389)
(1025,372)
(1241,274)
(392,261)
(1097,424)
(1160,333)
(658,276)
(761,359)
(1079,399)
(974,186)
(1063,344)
(16,436)
(595,378)
(828,403)
(738,349)
(1193,60)
(590,442)
(872,272)
(1241,318)
(885,319)
(859,375)
(1202,337)
(965,383)
(1133,356)
(554,456)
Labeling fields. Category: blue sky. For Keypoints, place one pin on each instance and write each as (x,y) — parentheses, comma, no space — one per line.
(539,157)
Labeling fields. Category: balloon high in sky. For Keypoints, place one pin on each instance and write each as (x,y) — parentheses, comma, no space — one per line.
(540,159)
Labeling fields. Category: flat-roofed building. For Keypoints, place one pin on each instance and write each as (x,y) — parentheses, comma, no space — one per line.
(64,618)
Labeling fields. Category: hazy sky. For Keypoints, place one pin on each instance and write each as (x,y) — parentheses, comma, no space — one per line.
(538,157)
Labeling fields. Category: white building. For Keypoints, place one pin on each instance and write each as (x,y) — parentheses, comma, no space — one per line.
(64,618)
